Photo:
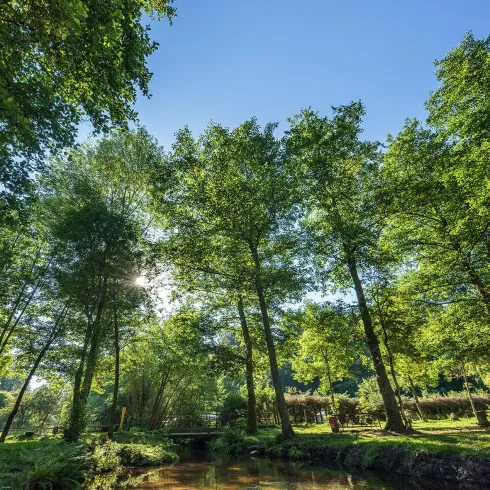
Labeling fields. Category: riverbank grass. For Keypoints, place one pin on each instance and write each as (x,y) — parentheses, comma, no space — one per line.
(462,436)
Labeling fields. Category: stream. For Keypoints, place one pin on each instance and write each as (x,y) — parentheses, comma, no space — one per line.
(202,470)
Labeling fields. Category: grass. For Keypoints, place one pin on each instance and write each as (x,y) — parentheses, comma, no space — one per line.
(462,436)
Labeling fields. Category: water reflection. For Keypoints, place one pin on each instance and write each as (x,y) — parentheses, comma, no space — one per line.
(226,474)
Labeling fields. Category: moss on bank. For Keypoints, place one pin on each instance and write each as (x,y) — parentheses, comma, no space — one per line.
(94,463)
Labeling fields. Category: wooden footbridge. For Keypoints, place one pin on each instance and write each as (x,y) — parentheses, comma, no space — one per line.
(194,433)
(194,426)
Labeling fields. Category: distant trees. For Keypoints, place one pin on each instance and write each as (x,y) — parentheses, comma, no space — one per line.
(166,371)
(329,344)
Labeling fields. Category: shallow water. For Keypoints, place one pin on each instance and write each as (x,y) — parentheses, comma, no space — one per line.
(204,471)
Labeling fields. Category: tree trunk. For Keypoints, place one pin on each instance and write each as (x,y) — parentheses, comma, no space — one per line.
(15,306)
(251,399)
(94,346)
(112,415)
(330,383)
(416,398)
(481,417)
(286,427)
(73,430)
(157,403)
(86,371)
(394,420)
(39,358)
(392,368)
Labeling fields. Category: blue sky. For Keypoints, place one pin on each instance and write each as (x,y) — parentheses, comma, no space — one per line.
(228,60)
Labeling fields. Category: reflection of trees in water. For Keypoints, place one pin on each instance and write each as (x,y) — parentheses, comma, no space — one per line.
(227,473)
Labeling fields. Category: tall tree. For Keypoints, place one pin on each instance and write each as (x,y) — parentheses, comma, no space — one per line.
(345,221)
(97,205)
(238,186)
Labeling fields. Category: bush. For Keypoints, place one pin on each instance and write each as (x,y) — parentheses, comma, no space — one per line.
(145,455)
(234,406)
(106,457)
(231,442)
(441,407)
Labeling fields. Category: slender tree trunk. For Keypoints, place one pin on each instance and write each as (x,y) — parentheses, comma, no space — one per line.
(20,396)
(481,417)
(158,398)
(251,399)
(473,275)
(330,383)
(392,369)
(72,431)
(394,420)
(39,358)
(112,415)
(8,333)
(286,427)
(86,371)
(416,398)
(94,346)
(15,306)
(475,278)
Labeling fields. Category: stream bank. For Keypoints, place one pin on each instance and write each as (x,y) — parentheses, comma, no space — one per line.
(422,463)
(199,469)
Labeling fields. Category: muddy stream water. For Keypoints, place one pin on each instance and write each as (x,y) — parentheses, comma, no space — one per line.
(198,469)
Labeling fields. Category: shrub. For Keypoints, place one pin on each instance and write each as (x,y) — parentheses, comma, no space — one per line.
(231,442)
(105,457)
(442,406)
(145,455)
(58,466)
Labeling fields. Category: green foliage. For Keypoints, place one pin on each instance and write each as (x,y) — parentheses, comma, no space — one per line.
(54,466)
(106,457)
(330,342)
(370,398)
(241,223)
(145,455)
(231,442)
(61,62)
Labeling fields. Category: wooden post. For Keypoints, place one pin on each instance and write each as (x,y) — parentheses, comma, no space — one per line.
(123,413)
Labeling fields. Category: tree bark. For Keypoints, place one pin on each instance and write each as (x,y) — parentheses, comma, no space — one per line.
(286,427)
(481,418)
(394,420)
(94,345)
(112,415)
(86,371)
(72,431)
(330,383)
(392,368)
(416,398)
(33,370)
(251,399)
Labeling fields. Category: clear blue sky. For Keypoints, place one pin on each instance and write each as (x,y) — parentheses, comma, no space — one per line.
(228,60)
